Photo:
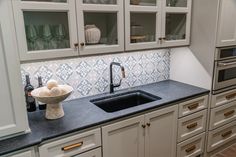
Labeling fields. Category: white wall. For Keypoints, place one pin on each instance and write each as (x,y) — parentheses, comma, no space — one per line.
(186,68)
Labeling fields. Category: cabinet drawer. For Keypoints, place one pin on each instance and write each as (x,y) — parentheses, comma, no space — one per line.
(193,106)
(29,153)
(191,125)
(221,136)
(223,98)
(93,153)
(72,145)
(222,115)
(191,147)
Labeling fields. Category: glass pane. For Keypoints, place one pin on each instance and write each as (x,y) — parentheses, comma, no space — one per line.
(100,1)
(175,26)
(227,74)
(227,53)
(142,27)
(44,30)
(57,1)
(100,28)
(144,2)
(176,3)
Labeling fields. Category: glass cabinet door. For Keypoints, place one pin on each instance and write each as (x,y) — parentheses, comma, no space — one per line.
(44,30)
(105,2)
(101,28)
(56,1)
(142,23)
(176,18)
(177,3)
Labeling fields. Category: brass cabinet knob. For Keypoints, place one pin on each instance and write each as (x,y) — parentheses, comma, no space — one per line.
(82,44)
(76,45)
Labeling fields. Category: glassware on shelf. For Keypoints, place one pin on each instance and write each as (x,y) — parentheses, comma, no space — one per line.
(176,3)
(47,36)
(31,35)
(175,26)
(142,27)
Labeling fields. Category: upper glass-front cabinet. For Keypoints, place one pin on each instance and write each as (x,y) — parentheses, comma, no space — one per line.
(101,27)
(176,17)
(45,28)
(142,24)
(157,23)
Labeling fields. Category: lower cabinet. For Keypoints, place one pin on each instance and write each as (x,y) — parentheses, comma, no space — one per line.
(93,153)
(24,153)
(150,135)
(74,145)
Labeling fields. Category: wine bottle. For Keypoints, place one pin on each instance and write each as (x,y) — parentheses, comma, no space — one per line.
(42,106)
(30,101)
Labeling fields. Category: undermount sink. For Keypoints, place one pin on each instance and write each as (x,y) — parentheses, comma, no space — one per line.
(124,100)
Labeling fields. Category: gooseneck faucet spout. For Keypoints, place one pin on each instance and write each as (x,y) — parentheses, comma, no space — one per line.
(112,85)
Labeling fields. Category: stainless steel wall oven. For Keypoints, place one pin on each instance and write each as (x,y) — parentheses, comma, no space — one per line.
(224,70)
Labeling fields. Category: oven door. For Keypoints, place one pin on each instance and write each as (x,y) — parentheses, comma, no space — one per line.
(225,53)
(225,75)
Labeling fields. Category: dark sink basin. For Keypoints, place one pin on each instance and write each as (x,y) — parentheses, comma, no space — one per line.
(125,100)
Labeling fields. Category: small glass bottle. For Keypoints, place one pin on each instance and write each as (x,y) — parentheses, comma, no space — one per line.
(42,106)
(30,101)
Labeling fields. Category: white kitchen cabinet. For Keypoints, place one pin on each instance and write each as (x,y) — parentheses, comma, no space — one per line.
(124,139)
(93,153)
(107,17)
(45,29)
(13,116)
(150,135)
(23,153)
(160,135)
(226,23)
(73,145)
(176,23)
(157,23)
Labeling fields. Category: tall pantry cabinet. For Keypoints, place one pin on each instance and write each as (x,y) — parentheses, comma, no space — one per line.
(13,117)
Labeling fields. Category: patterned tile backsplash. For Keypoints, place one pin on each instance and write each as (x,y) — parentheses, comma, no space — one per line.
(90,75)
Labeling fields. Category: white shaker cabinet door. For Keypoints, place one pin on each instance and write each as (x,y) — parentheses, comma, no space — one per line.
(124,139)
(161,132)
(227,24)
(13,109)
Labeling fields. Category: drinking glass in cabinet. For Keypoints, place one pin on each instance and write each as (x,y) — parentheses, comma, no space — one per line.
(45,31)
(175,26)
(176,3)
(144,2)
(100,1)
(142,27)
(57,1)
(100,28)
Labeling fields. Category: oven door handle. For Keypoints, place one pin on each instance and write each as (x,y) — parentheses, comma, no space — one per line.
(222,64)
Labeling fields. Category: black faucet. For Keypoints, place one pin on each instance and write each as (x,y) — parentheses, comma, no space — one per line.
(112,86)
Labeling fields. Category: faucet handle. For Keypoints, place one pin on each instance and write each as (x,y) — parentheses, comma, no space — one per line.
(123,72)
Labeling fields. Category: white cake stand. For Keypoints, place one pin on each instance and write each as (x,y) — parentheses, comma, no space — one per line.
(54,108)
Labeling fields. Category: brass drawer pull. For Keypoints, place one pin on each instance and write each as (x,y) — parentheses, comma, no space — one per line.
(231,96)
(191,126)
(73,146)
(193,106)
(227,133)
(230,113)
(190,149)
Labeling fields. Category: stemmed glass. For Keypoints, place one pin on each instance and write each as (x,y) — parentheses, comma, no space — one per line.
(47,36)
(32,36)
(60,35)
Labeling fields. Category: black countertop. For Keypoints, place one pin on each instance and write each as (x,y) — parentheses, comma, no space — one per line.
(81,114)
